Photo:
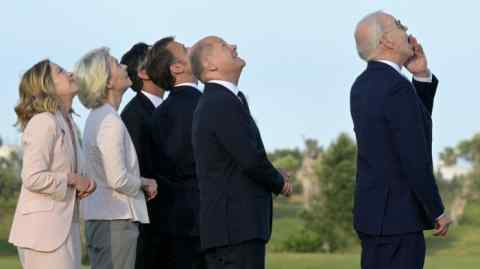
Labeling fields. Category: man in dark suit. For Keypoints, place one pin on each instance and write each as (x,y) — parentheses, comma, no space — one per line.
(152,247)
(171,131)
(236,179)
(396,196)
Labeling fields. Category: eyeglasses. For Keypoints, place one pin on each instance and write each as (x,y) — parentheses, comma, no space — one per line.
(398,25)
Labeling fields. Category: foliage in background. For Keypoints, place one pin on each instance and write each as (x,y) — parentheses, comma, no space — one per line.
(328,224)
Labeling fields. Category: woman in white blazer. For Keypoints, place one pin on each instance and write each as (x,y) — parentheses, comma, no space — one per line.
(46,225)
(113,212)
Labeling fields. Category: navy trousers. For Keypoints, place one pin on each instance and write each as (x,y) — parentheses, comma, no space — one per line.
(246,255)
(405,251)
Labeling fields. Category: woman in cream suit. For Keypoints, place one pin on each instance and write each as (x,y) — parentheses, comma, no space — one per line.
(46,226)
(113,212)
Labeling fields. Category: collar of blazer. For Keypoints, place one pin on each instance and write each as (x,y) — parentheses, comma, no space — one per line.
(65,139)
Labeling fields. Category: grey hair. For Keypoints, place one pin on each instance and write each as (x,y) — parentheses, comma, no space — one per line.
(368,41)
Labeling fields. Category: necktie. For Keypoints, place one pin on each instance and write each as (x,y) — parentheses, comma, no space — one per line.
(243,99)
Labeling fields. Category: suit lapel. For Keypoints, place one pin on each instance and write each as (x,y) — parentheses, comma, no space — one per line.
(212,87)
(66,140)
(145,102)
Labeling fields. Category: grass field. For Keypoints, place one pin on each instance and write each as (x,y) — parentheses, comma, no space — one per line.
(320,261)
(461,249)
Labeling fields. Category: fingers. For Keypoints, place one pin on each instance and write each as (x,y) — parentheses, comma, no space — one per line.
(287,188)
(441,227)
(441,230)
(151,194)
(413,40)
(418,49)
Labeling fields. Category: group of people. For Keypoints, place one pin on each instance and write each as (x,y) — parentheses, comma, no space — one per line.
(178,183)
(185,182)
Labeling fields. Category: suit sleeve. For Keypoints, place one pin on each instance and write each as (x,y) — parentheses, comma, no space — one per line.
(235,134)
(404,117)
(138,128)
(159,131)
(426,91)
(39,140)
(110,141)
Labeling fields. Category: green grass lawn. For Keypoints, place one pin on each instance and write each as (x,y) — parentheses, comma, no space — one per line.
(461,249)
(322,261)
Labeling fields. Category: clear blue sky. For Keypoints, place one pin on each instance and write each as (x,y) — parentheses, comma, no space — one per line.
(301,58)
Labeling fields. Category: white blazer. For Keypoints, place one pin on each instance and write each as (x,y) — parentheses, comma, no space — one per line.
(111,161)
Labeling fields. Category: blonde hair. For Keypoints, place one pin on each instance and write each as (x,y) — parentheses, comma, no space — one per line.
(93,72)
(37,93)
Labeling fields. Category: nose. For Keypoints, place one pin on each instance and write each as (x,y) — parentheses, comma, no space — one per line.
(71,75)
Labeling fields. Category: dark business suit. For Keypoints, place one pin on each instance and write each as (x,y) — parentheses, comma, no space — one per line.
(236,181)
(153,248)
(171,126)
(396,196)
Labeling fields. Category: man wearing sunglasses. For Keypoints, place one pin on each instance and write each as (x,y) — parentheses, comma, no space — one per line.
(396,196)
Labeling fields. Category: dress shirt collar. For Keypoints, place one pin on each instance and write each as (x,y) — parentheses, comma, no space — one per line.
(156,100)
(190,84)
(227,84)
(391,64)
(399,70)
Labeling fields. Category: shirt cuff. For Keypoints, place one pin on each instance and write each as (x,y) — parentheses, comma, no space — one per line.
(441,216)
(428,79)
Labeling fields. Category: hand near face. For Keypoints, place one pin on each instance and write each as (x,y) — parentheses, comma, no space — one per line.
(417,64)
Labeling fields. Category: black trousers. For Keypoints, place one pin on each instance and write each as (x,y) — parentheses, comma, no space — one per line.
(405,251)
(187,253)
(154,249)
(246,255)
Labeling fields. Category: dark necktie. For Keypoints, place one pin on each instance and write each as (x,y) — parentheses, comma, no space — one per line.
(243,100)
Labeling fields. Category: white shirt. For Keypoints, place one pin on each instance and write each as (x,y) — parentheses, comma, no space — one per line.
(156,100)
(227,84)
(191,84)
(399,70)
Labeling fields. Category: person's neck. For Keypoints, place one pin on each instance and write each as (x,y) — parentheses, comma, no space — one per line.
(396,59)
(185,79)
(230,78)
(114,99)
(150,87)
(66,105)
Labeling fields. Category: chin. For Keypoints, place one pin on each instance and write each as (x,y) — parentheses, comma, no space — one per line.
(242,63)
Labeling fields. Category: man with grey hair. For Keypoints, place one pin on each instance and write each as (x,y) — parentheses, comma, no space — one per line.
(235,177)
(396,196)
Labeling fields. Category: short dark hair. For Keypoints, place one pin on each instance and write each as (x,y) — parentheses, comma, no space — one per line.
(133,58)
(158,64)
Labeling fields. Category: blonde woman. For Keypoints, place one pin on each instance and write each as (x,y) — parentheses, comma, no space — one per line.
(46,226)
(113,212)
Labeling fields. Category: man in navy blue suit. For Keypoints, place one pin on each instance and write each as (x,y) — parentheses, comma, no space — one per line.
(235,177)
(396,196)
